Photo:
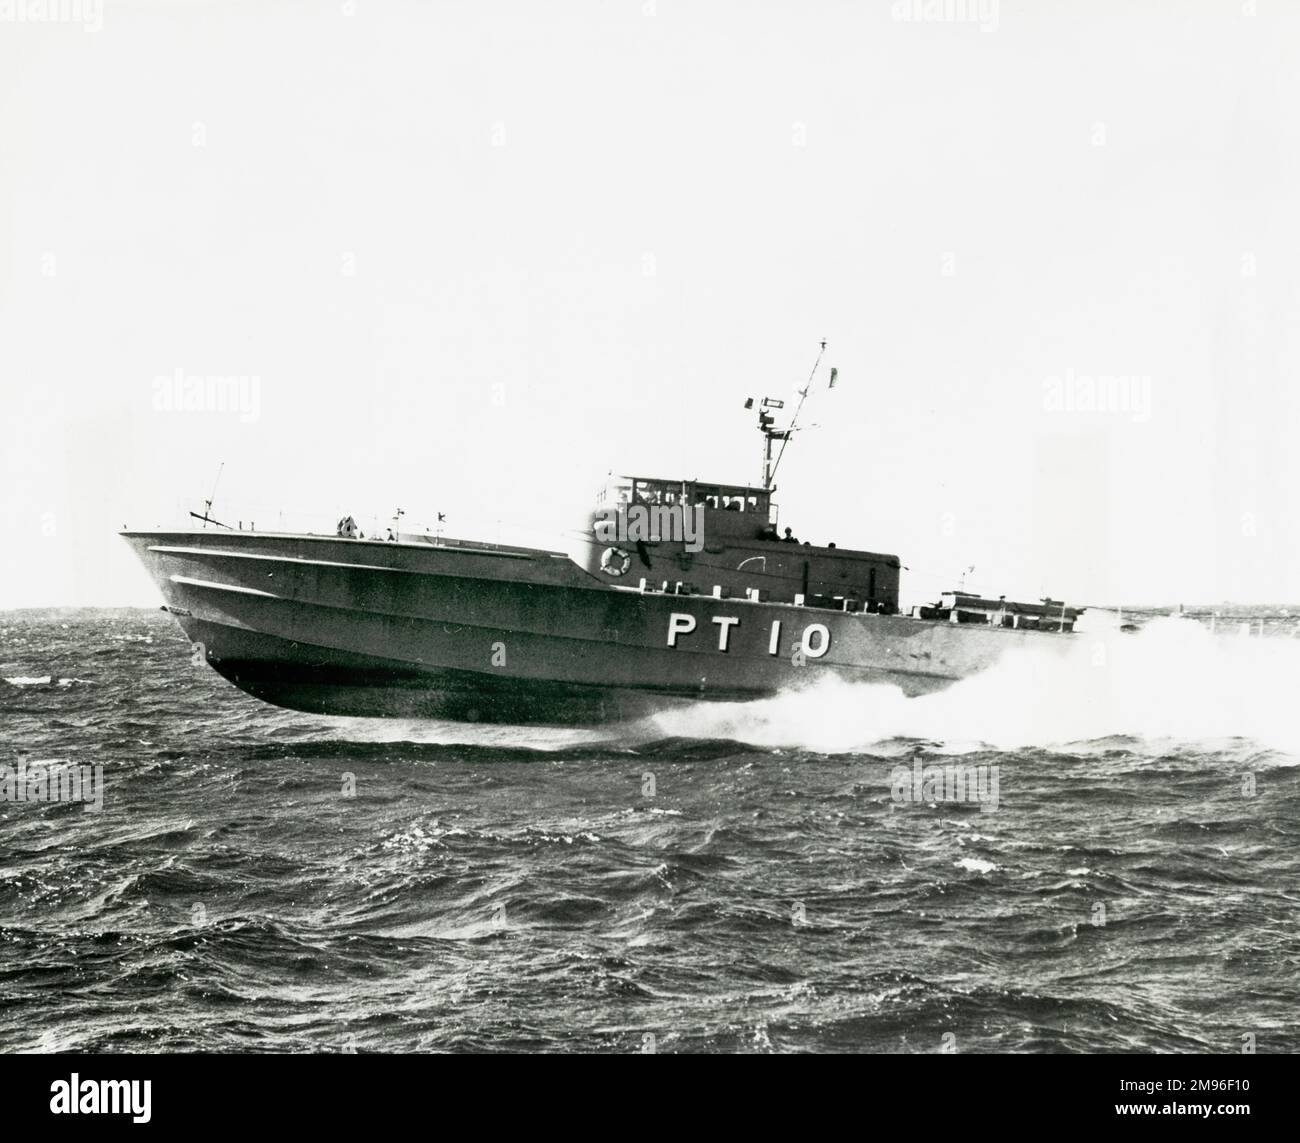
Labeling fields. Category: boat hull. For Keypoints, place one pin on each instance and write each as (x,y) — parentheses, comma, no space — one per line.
(490,634)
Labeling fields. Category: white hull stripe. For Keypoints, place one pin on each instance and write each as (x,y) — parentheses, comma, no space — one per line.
(163,550)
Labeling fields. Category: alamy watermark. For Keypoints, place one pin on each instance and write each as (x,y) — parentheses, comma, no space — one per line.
(1101,393)
(53,781)
(215,393)
(981,12)
(975,784)
(77,1096)
(652,523)
(88,13)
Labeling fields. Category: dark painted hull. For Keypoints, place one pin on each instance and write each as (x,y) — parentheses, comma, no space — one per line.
(484,634)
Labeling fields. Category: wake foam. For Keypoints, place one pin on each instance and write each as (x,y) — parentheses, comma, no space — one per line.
(1173,680)
(432,732)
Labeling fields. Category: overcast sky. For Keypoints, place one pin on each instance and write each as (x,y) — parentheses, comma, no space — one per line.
(469,257)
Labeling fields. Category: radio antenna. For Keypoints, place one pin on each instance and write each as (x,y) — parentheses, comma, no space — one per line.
(803,396)
(207,504)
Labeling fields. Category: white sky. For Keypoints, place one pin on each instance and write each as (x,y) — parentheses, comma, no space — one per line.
(581,233)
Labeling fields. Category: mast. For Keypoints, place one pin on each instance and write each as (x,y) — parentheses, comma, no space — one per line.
(207,516)
(766,420)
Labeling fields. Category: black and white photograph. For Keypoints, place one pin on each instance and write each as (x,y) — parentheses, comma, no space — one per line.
(639,527)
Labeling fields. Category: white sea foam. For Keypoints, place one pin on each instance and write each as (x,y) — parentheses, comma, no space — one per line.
(433,732)
(1172,681)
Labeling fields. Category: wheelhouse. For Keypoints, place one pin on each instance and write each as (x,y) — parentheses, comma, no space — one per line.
(735,548)
(619,491)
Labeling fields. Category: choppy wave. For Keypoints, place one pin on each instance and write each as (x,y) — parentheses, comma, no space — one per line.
(733,878)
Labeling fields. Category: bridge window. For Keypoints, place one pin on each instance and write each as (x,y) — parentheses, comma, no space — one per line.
(617,491)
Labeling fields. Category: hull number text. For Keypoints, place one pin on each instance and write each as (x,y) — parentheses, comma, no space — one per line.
(814,643)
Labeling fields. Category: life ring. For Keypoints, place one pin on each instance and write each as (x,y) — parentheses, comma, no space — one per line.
(615,561)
